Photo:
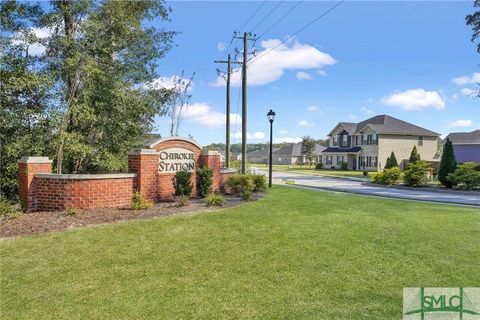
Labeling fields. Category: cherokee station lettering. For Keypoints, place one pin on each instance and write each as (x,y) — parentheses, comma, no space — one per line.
(176,159)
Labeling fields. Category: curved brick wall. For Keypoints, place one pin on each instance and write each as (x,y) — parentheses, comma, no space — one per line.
(56,193)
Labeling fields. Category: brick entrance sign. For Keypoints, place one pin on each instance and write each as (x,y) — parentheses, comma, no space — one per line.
(150,172)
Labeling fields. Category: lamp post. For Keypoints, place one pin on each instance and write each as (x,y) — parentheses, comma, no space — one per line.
(271,117)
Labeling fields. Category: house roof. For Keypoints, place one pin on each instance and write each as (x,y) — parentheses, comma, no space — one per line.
(295,150)
(260,153)
(472,137)
(387,125)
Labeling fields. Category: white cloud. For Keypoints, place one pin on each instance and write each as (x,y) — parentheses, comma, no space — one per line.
(367,110)
(302,75)
(455,96)
(474,78)
(322,72)
(312,108)
(203,114)
(168,82)
(288,140)
(283,132)
(415,99)
(35,48)
(469,92)
(305,124)
(221,46)
(255,136)
(291,55)
(461,123)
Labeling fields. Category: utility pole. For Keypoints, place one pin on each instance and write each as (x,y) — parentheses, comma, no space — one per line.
(245,39)
(227,135)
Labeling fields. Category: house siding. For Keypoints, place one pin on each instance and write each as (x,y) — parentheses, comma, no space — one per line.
(402,146)
(466,152)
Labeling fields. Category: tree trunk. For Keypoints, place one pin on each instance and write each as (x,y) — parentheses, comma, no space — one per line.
(70,78)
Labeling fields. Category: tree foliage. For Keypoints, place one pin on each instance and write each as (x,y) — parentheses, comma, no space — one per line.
(308,149)
(466,176)
(416,173)
(448,164)
(414,155)
(84,99)
(391,161)
(473,20)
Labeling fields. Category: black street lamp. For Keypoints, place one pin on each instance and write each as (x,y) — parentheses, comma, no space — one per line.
(271,117)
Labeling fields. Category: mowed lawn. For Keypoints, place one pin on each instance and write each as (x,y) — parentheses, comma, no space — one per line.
(296,254)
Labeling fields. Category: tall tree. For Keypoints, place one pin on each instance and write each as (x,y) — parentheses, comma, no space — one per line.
(308,149)
(26,118)
(448,164)
(414,155)
(179,101)
(102,55)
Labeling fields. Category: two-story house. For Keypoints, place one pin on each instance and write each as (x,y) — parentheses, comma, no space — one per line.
(368,144)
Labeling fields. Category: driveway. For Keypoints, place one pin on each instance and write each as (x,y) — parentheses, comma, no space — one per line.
(360,187)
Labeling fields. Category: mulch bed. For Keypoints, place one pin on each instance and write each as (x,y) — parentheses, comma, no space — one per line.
(47,221)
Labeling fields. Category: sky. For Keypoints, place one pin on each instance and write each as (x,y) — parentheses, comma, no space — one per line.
(410,60)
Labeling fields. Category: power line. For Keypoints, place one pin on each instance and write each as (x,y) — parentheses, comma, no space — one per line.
(268,14)
(300,30)
(281,18)
(253,15)
(240,29)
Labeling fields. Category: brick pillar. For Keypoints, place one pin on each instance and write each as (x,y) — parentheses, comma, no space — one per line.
(212,160)
(28,167)
(144,163)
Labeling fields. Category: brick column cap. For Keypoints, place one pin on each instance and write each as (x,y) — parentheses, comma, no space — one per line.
(35,160)
(210,153)
(143,151)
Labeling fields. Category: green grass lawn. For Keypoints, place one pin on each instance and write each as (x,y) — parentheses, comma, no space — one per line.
(307,170)
(296,254)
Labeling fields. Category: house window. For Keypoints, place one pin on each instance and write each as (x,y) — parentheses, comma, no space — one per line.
(374,138)
(420,141)
(335,141)
(345,139)
(375,162)
(364,139)
(356,140)
(340,160)
(362,161)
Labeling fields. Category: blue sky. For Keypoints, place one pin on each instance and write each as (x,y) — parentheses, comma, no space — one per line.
(411,60)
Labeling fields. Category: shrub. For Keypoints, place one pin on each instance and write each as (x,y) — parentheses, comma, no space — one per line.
(246,195)
(7,210)
(139,202)
(365,173)
(214,199)
(182,200)
(391,161)
(319,165)
(416,173)
(259,182)
(388,176)
(182,184)
(240,183)
(204,181)
(71,211)
(344,166)
(414,155)
(466,176)
(448,164)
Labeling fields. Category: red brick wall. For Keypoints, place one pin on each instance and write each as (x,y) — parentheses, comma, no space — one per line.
(58,194)
(213,162)
(26,184)
(146,168)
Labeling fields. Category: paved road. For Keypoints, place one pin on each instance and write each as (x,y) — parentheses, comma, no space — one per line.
(359,187)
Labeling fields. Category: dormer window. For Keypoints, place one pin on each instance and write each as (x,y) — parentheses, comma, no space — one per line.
(344,139)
